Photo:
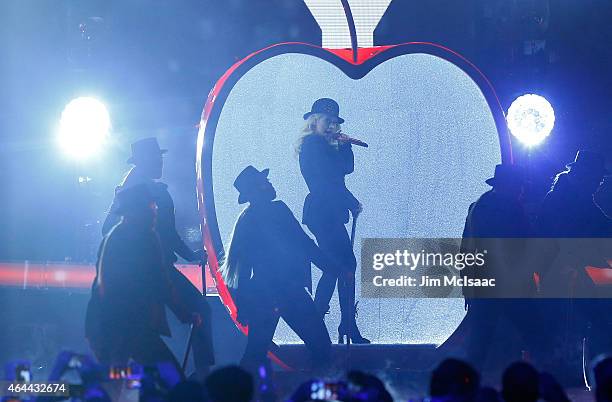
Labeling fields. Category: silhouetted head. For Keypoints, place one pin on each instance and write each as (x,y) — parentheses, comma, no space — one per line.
(602,370)
(147,157)
(137,206)
(587,171)
(323,117)
(508,180)
(187,391)
(454,379)
(229,384)
(520,383)
(254,186)
(371,387)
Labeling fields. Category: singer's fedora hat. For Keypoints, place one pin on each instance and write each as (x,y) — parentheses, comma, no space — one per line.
(326,106)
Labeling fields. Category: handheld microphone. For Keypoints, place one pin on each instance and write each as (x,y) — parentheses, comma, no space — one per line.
(345,138)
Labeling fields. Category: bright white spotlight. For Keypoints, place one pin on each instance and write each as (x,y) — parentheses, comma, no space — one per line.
(84,126)
(530,119)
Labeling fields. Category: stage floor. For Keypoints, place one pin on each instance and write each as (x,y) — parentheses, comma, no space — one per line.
(366,357)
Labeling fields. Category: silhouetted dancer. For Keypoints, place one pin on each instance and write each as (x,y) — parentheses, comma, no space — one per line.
(497,222)
(126,313)
(326,157)
(570,211)
(268,264)
(189,305)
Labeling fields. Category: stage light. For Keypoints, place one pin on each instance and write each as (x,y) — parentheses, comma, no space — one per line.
(84,127)
(530,119)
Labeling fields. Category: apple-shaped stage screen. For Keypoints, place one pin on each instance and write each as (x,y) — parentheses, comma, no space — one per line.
(432,141)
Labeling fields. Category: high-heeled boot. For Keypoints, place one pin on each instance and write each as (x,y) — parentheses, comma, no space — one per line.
(347,330)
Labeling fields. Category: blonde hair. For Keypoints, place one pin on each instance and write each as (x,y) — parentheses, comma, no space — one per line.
(309,128)
(313,119)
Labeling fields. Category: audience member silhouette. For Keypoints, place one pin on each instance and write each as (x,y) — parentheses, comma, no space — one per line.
(187,302)
(268,263)
(229,384)
(454,380)
(520,383)
(368,387)
(358,387)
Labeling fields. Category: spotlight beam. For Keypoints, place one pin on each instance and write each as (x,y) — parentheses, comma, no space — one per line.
(530,119)
(84,127)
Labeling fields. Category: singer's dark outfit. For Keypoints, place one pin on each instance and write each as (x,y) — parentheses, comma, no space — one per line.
(274,255)
(126,314)
(326,211)
(188,298)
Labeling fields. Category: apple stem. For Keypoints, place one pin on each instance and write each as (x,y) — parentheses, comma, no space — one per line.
(351,25)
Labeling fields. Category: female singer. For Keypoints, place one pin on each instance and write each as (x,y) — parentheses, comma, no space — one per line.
(326,157)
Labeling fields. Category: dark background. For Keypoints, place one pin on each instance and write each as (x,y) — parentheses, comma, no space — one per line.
(154,62)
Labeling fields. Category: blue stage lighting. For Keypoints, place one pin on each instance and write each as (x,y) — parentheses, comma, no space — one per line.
(530,119)
(84,127)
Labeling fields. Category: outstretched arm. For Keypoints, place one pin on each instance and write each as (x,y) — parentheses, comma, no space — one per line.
(168,226)
(182,249)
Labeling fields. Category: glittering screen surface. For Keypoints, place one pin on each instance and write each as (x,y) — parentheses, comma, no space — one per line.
(433,142)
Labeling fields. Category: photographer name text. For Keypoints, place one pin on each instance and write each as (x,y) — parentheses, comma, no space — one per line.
(428,281)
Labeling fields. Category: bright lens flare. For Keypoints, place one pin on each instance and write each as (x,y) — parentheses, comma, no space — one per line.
(530,119)
(84,127)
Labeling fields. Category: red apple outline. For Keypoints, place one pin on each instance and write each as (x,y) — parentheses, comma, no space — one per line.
(355,68)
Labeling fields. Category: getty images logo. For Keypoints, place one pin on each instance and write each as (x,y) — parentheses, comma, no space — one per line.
(411,260)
